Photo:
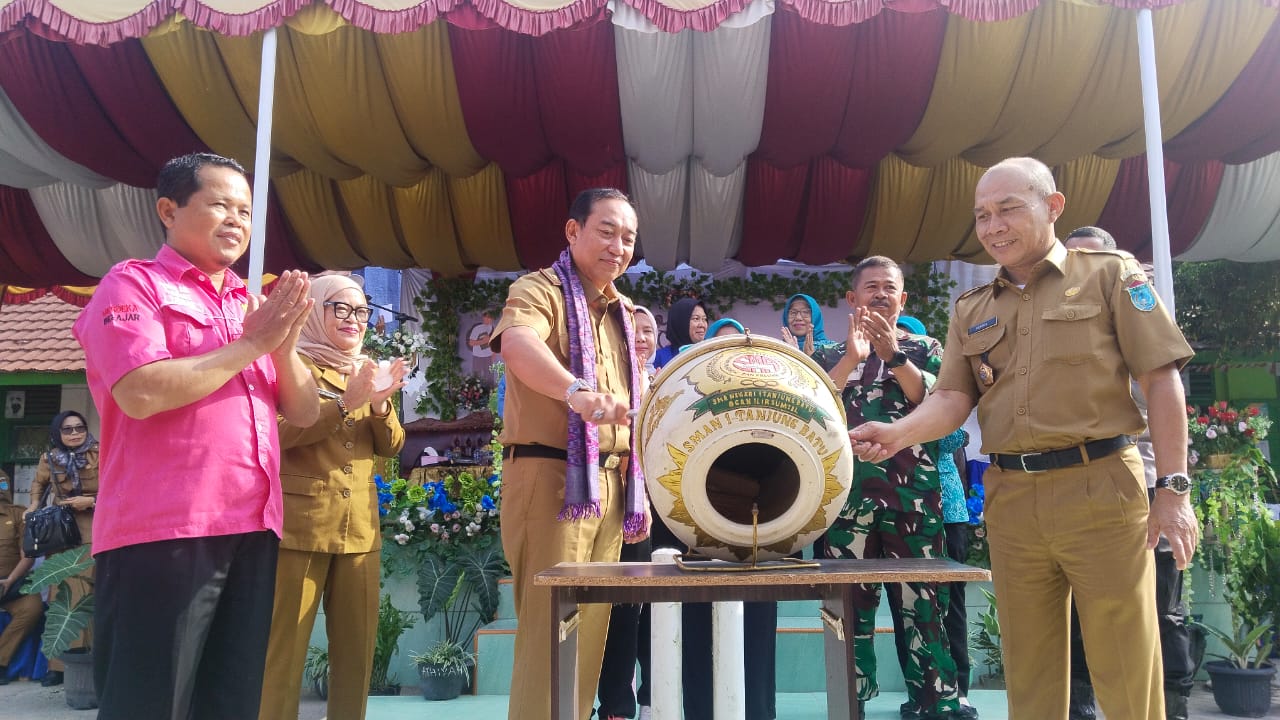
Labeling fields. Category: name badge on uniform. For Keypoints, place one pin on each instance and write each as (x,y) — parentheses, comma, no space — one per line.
(988,323)
(1141,295)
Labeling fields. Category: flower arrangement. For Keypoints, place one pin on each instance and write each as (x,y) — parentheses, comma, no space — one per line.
(442,516)
(381,345)
(1221,429)
(979,550)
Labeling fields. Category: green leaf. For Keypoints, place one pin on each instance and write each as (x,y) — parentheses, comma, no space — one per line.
(57,568)
(64,622)
(438,580)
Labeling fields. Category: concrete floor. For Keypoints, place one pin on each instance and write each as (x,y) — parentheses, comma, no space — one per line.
(23,700)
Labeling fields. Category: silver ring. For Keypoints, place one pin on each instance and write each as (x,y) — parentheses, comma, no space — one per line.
(597,415)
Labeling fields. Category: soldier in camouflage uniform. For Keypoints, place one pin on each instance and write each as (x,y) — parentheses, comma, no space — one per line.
(885,373)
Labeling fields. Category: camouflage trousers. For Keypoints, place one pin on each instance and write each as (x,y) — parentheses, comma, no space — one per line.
(870,530)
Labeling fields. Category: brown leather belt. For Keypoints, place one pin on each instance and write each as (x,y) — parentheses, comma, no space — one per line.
(1064,458)
(608,461)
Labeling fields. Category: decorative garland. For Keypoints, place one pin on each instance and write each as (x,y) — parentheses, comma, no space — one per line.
(444,301)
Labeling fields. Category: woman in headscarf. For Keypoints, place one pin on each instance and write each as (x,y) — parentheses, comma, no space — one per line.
(802,323)
(332,543)
(627,643)
(686,325)
(725,326)
(68,474)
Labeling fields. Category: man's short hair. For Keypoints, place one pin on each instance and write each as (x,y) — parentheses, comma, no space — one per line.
(580,210)
(1089,231)
(180,177)
(1039,174)
(875,261)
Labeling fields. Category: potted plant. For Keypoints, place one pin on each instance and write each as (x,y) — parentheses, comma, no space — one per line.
(986,640)
(391,625)
(445,669)
(316,671)
(447,534)
(1242,678)
(65,620)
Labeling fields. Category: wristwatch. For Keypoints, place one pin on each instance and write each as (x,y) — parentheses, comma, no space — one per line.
(898,360)
(577,385)
(1178,483)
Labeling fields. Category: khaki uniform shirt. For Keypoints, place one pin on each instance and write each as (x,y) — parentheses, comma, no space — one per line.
(10,537)
(326,472)
(1059,352)
(536,301)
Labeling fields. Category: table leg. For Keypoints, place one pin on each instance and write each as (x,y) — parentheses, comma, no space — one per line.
(726,661)
(564,655)
(838,640)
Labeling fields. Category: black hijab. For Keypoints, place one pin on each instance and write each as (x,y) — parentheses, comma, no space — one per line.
(678,322)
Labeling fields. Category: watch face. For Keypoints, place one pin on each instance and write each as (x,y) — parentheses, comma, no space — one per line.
(1179,483)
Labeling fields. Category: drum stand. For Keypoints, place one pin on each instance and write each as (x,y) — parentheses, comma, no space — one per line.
(698,563)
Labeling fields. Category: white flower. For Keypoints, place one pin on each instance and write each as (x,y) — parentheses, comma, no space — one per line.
(1242,426)
(422,513)
(402,538)
(408,526)
(1211,433)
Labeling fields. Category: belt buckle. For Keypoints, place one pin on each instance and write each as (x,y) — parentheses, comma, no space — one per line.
(1022,460)
(612,462)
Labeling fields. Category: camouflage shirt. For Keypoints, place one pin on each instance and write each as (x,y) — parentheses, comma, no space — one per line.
(908,480)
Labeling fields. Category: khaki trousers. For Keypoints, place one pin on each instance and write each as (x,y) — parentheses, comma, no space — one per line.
(348,585)
(1077,531)
(24,614)
(534,540)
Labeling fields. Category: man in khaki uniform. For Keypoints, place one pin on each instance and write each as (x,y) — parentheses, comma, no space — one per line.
(1046,351)
(24,610)
(533,339)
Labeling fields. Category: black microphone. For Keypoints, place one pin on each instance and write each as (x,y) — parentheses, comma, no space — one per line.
(396,314)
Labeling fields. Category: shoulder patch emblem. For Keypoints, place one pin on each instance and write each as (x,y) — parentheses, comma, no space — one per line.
(1141,295)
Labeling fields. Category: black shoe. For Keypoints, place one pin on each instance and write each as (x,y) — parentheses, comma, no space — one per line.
(965,712)
(4,674)
(1175,705)
(909,711)
(51,678)
(1081,706)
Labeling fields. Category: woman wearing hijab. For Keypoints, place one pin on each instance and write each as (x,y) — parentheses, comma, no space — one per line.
(725,326)
(802,323)
(68,473)
(331,548)
(686,325)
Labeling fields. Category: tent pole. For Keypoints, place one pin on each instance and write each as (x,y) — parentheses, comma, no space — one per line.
(1155,158)
(262,161)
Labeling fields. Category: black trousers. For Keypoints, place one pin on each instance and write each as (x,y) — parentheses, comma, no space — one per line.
(626,644)
(1175,636)
(181,627)
(954,621)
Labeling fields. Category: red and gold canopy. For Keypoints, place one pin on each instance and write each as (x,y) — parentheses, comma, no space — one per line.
(452,134)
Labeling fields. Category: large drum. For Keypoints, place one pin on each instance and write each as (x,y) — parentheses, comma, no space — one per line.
(738,421)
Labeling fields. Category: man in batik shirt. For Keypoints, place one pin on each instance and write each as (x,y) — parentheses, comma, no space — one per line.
(885,372)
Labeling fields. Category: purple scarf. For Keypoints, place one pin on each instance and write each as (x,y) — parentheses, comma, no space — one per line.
(582,471)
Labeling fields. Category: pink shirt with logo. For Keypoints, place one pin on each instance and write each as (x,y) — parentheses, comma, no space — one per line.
(209,468)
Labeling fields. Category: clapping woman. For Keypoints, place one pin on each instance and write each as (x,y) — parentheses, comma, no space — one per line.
(331,549)
(68,474)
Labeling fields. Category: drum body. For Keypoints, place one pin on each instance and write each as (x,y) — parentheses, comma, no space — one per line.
(742,420)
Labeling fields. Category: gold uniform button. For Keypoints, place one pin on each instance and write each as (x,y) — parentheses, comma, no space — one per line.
(1022,371)
(1071,314)
(350,422)
(1024,331)
(1022,411)
(1026,297)
(346,469)
(348,444)
(346,493)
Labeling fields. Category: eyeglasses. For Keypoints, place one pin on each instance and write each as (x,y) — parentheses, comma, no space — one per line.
(342,311)
(800,315)
(73,429)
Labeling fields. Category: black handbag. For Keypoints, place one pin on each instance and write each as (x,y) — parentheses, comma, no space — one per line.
(51,529)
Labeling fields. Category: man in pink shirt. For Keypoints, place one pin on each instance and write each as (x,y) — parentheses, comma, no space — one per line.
(188,371)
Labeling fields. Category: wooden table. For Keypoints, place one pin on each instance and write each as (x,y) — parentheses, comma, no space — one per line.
(832,584)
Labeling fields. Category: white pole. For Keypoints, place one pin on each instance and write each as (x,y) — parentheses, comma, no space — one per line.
(665,664)
(1155,158)
(262,161)
(727,671)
